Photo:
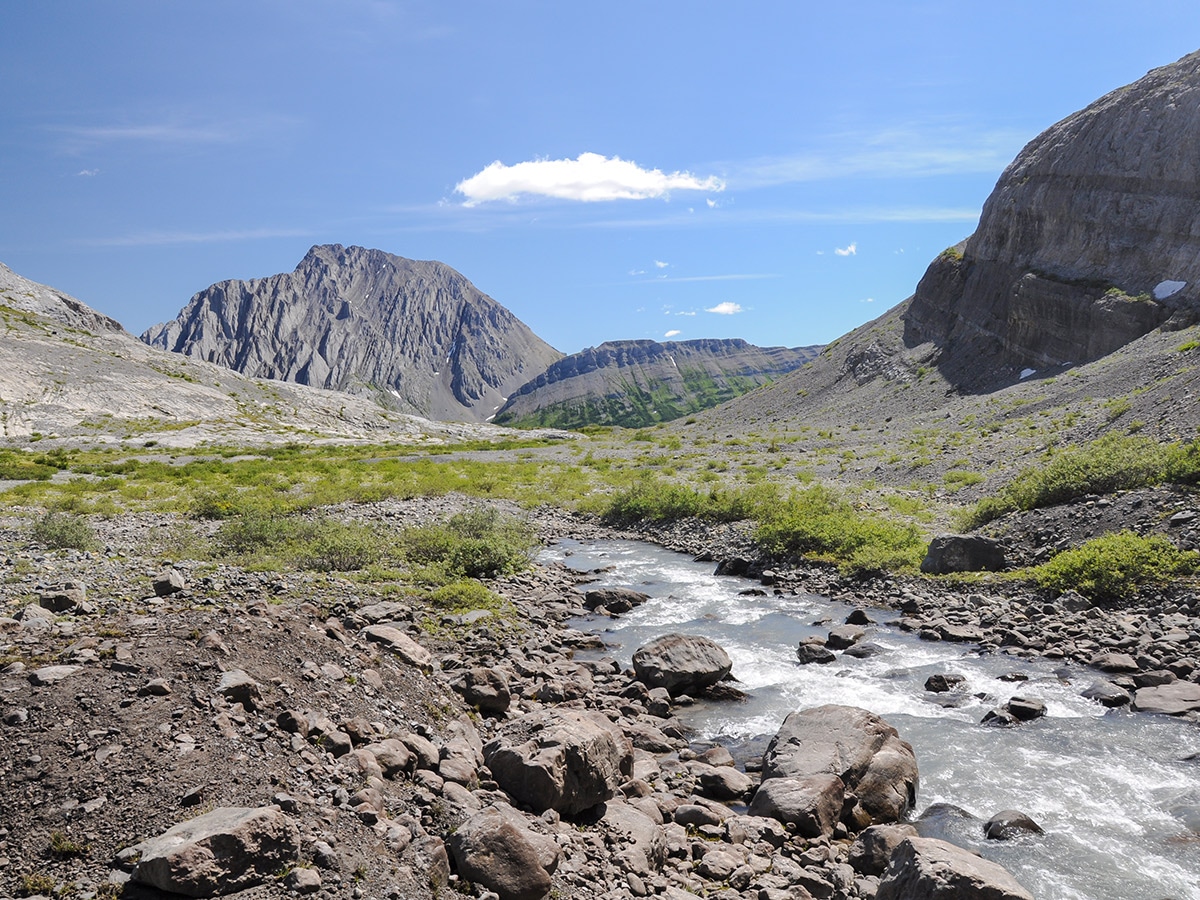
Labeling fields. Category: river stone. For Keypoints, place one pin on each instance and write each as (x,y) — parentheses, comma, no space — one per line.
(811,804)
(949,553)
(563,759)
(814,650)
(877,767)
(1115,663)
(871,850)
(399,643)
(842,637)
(948,822)
(681,663)
(1008,824)
(1107,694)
(643,840)
(614,600)
(1175,699)
(929,869)
(502,854)
(941,683)
(226,850)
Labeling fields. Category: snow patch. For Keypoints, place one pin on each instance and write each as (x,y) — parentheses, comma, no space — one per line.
(1165,289)
(1025,373)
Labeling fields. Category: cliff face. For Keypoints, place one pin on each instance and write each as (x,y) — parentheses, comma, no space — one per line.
(41,300)
(1088,241)
(417,336)
(637,383)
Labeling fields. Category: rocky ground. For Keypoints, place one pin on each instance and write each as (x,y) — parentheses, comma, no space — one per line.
(359,744)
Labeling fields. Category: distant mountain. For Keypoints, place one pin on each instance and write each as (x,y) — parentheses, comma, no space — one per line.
(1088,241)
(638,383)
(69,372)
(415,336)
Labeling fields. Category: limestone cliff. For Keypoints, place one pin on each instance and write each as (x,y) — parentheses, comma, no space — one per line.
(416,336)
(1088,241)
(638,383)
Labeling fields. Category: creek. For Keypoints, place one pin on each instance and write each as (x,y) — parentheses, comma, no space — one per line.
(1114,790)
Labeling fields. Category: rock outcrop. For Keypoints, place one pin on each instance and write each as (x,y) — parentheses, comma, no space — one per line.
(1086,243)
(638,383)
(929,869)
(416,336)
(41,300)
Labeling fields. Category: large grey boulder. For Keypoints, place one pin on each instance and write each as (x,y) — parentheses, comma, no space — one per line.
(873,848)
(681,663)
(401,644)
(642,840)
(564,759)
(949,553)
(226,850)
(496,848)
(877,767)
(929,869)
(812,804)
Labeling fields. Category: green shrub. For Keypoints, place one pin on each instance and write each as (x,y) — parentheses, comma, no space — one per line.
(16,466)
(820,523)
(656,500)
(341,547)
(64,531)
(1116,565)
(464,595)
(478,543)
(1112,463)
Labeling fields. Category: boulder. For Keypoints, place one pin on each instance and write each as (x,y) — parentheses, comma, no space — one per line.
(614,600)
(226,850)
(401,644)
(1008,824)
(643,841)
(811,804)
(238,687)
(941,683)
(877,767)
(871,850)
(68,596)
(167,582)
(495,848)
(1115,663)
(949,553)
(814,650)
(1107,694)
(842,637)
(485,689)
(681,663)
(929,869)
(563,759)
(1175,699)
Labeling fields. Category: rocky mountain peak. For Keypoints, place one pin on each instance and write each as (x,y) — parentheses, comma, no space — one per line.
(1087,242)
(415,335)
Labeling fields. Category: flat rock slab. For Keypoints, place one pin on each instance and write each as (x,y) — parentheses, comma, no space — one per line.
(401,644)
(51,674)
(226,850)
(1173,699)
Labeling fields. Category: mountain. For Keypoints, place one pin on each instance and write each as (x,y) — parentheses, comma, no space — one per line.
(415,336)
(638,383)
(69,372)
(1069,313)
(17,293)
(1087,242)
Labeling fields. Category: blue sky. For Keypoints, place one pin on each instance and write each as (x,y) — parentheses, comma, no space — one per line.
(777,171)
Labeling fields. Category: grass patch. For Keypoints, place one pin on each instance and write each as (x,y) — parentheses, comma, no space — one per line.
(1116,565)
(652,499)
(478,543)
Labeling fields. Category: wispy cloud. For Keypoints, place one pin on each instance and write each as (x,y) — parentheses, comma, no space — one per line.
(591,177)
(906,151)
(659,264)
(87,173)
(727,308)
(160,238)
(747,276)
(174,131)
(674,332)
(852,250)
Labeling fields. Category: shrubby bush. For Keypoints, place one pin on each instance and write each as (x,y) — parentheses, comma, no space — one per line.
(478,543)
(63,531)
(659,500)
(1115,565)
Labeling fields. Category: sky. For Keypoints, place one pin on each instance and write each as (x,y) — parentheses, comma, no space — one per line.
(780,172)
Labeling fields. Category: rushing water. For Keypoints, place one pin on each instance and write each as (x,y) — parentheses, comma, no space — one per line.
(1118,801)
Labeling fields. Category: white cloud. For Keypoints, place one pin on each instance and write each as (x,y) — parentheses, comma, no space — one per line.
(847,251)
(673,333)
(660,264)
(868,300)
(712,204)
(728,308)
(88,173)
(686,312)
(591,177)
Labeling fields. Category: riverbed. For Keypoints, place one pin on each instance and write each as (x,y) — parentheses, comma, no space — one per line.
(1115,791)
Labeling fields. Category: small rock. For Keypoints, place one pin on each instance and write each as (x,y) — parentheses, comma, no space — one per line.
(1008,824)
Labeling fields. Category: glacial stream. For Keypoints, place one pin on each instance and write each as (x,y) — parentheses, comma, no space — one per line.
(1119,803)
